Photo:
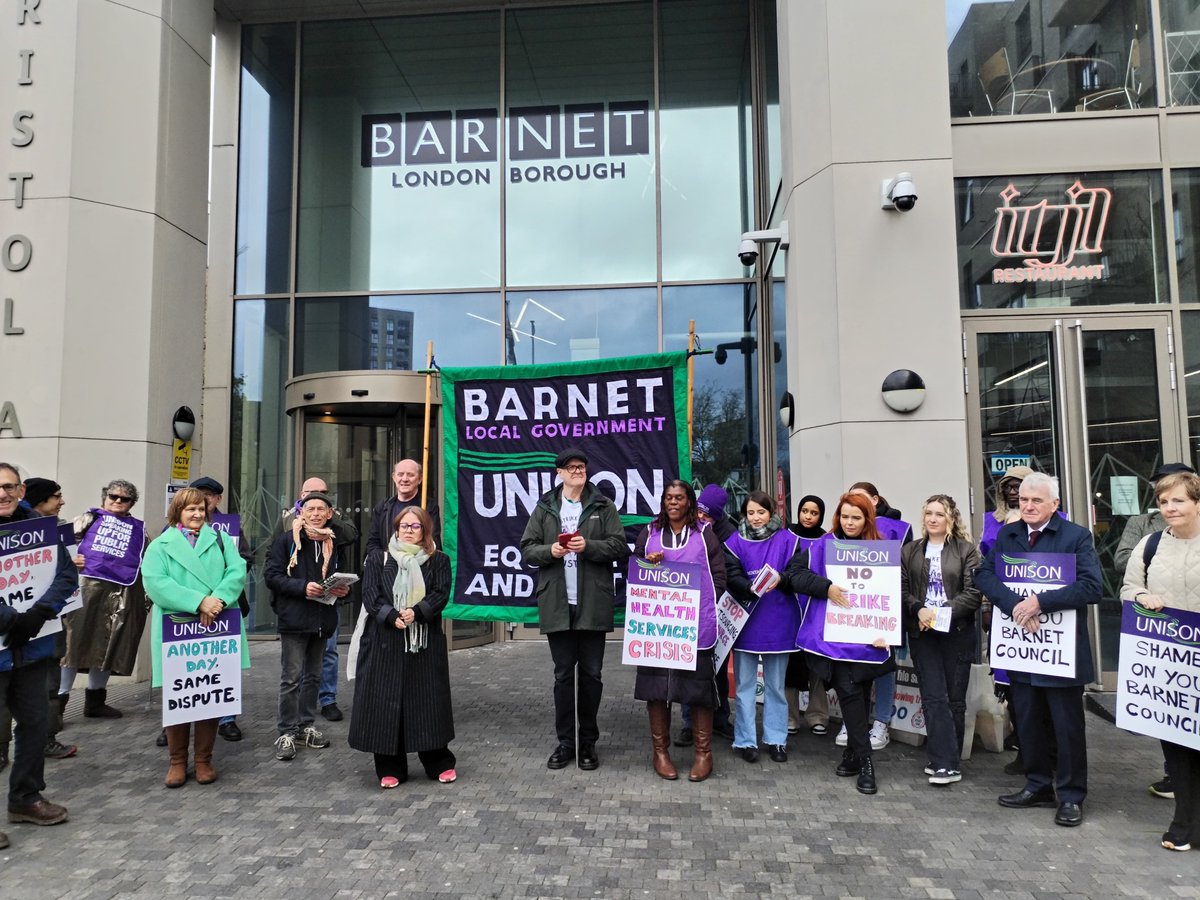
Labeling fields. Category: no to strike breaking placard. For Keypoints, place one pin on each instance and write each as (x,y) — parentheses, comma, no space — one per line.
(1158,675)
(201,667)
(871,571)
(662,615)
(1051,650)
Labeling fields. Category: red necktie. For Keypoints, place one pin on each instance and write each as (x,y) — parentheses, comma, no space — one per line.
(1033,538)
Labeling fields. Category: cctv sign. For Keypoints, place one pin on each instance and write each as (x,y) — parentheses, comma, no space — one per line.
(542,143)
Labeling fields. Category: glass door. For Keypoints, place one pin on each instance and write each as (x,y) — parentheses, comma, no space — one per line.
(1089,399)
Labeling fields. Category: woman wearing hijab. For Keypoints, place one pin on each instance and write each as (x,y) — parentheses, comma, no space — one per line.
(810,515)
(402,699)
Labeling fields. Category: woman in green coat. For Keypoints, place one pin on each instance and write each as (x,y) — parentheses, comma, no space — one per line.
(191,569)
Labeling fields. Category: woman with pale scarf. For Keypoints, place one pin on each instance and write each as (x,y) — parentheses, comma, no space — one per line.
(402,699)
(297,566)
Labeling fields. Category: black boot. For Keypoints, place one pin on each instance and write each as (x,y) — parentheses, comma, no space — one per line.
(866,776)
(94,706)
(849,765)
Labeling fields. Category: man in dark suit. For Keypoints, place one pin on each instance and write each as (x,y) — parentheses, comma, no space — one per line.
(1038,698)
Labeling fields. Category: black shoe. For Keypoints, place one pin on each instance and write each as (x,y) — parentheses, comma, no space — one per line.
(777,752)
(161,741)
(1010,742)
(332,713)
(866,777)
(850,764)
(1069,815)
(230,731)
(1027,799)
(724,729)
(561,757)
(588,760)
(685,738)
(1163,788)
(749,754)
(1016,767)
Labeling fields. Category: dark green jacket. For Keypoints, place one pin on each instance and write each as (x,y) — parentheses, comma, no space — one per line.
(600,526)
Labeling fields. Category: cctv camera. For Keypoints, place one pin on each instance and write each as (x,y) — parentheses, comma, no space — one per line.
(748,252)
(899,193)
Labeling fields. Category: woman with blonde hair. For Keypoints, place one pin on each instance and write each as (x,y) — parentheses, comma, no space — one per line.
(940,600)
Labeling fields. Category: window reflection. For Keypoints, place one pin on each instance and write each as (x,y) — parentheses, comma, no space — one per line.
(725,425)
(1016,58)
(1185,185)
(1181,49)
(392,333)
(568,326)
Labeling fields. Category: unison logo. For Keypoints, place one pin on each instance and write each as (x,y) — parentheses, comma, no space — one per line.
(535,134)
(1027,570)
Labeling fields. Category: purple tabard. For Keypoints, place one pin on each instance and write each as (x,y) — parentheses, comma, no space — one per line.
(695,552)
(811,636)
(893,529)
(112,548)
(775,617)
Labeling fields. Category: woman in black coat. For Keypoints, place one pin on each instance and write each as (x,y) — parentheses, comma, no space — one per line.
(402,699)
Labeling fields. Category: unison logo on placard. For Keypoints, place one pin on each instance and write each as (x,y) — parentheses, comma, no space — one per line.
(445,147)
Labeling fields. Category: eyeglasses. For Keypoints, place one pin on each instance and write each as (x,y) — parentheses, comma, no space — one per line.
(575,469)
(57,496)
(11,488)
(409,526)
(115,498)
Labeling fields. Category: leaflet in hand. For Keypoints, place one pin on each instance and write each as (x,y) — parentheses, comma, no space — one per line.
(337,579)
(766,579)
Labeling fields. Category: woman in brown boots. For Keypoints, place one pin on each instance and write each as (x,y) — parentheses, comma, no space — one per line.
(676,535)
(190,569)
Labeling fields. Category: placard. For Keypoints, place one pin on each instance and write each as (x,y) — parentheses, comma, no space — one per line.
(201,667)
(1158,674)
(731,619)
(28,564)
(908,713)
(66,536)
(1051,650)
(662,615)
(871,572)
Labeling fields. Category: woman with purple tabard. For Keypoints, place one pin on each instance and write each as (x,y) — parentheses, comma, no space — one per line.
(103,638)
(849,667)
(675,535)
(810,516)
(761,577)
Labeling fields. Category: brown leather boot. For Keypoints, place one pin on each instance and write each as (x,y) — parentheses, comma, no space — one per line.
(702,724)
(660,738)
(177,746)
(206,736)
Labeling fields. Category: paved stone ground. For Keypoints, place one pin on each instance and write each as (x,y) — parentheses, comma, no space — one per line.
(320,827)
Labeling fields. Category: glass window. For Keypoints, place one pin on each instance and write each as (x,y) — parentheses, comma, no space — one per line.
(1191,378)
(258,437)
(567,326)
(264,209)
(399,154)
(332,332)
(780,485)
(724,407)
(706,153)
(1013,58)
(1185,202)
(1086,239)
(1181,47)
(581,186)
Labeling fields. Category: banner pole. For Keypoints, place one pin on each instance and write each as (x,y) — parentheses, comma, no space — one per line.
(691,366)
(428,415)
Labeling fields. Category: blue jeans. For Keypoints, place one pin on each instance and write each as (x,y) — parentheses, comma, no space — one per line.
(329,672)
(745,672)
(943,663)
(885,697)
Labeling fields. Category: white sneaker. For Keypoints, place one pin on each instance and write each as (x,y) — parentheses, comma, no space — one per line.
(879,736)
(945,776)
(843,738)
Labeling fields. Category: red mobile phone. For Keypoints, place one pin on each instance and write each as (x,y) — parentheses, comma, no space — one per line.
(565,537)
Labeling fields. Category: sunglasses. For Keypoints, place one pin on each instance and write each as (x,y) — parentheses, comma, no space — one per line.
(118,498)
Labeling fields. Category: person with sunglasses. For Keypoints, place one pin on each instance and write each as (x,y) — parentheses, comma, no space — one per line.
(402,698)
(103,638)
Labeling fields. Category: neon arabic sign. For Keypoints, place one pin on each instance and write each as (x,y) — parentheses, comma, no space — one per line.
(1048,237)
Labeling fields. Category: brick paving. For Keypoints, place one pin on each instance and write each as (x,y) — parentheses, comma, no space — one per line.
(320,827)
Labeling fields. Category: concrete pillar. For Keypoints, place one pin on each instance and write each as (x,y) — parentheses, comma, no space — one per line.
(870,291)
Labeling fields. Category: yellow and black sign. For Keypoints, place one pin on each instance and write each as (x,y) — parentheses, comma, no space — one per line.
(181,460)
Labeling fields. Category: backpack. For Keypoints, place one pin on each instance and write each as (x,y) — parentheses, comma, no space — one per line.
(1151,548)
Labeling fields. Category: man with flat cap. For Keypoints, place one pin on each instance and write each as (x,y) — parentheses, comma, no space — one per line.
(574,537)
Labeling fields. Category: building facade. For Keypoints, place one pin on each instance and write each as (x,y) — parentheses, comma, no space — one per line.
(272,212)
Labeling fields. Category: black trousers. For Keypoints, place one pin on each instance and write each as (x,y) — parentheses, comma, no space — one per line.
(578,659)
(24,691)
(1063,767)
(1184,765)
(943,663)
(852,695)
(435,761)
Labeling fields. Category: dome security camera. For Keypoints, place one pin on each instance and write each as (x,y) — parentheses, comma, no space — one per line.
(748,252)
(898,193)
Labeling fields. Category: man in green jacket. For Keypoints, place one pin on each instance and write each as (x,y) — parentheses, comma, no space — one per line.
(574,536)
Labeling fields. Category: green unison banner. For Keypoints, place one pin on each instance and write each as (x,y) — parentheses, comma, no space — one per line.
(503,427)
